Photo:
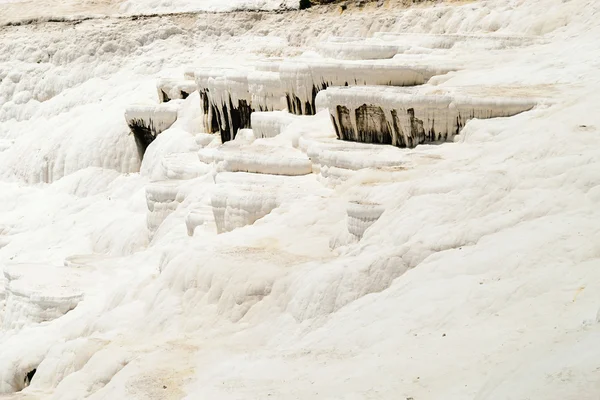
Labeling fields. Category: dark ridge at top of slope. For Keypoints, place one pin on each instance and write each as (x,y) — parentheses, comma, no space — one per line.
(42,20)
(74,20)
(192,13)
(77,19)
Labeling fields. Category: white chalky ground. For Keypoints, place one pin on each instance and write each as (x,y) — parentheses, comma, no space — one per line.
(468,269)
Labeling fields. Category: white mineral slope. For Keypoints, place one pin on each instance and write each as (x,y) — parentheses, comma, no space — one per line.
(480,279)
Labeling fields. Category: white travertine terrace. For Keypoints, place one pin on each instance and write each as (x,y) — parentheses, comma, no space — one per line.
(235,207)
(171,89)
(182,166)
(205,139)
(147,122)
(268,64)
(37,293)
(361,215)
(240,199)
(228,96)
(158,118)
(189,73)
(266,91)
(329,155)
(225,100)
(162,198)
(446,41)
(198,216)
(303,80)
(359,49)
(259,159)
(270,123)
(209,109)
(407,117)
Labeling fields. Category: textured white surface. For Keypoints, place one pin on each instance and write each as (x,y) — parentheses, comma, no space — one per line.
(479,281)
